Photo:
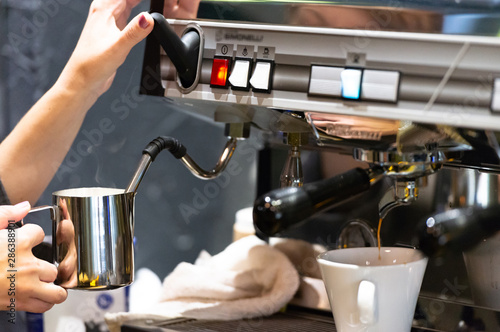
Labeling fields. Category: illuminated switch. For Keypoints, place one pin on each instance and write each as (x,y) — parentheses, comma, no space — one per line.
(240,74)
(220,69)
(325,81)
(381,85)
(261,78)
(495,100)
(351,83)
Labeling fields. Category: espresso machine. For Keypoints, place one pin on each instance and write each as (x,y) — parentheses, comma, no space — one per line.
(367,111)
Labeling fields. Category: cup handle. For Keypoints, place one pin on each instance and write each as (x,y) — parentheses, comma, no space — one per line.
(366,302)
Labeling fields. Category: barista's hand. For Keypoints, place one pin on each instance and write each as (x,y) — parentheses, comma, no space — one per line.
(104,44)
(181,8)
(12,212)
(65,236)
(31,285)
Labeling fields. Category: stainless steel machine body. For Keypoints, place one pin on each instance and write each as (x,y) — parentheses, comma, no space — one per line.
(411,88)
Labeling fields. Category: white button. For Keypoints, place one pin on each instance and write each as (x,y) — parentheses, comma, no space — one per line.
(261,76)
(239,75)
(325,81)
(351,83)
(380,85)
(495,101)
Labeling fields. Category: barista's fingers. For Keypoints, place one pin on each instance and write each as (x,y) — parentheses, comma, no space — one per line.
(48,292)
(64,208)
(137,29)
(64,232)
(13,212)
(68,264)
(30,235)
(43,297)
(170,3)
(171,8)
(181,8)
(34,305)
(188,9)
(65,268)
(48,272)
(133,3)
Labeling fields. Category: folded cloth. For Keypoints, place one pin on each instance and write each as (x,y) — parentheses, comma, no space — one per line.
(248,279)
(302,254)
(145,290)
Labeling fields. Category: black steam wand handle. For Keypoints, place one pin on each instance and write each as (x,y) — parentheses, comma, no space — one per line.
(282,208)
(183,52)
(457,230)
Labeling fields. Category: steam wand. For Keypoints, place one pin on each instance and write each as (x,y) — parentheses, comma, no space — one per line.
(178,151)
(226,155)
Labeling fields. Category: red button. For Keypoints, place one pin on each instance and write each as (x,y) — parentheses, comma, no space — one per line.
(220,68)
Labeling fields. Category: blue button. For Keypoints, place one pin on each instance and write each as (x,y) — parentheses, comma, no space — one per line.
(351,83)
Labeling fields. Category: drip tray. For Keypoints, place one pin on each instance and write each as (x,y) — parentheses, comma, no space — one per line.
(296,320)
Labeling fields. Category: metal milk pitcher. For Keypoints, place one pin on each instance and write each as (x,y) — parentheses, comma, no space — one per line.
(92,237)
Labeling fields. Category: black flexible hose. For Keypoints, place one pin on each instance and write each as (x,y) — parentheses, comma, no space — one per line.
(164,142)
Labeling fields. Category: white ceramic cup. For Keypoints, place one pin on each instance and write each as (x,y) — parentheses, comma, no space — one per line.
(370,294)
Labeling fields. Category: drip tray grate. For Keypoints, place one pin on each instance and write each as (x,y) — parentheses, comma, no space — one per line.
(280,322)
(276,323)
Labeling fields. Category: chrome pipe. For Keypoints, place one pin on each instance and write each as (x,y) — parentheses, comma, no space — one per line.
(199,172)
(144,164)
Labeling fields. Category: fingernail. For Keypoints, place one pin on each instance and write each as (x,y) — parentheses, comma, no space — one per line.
(143,22)
(22,205)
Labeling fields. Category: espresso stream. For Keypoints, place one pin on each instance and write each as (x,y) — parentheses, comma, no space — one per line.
(378,236)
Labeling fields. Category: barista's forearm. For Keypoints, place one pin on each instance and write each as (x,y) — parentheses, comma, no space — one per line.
(32,153)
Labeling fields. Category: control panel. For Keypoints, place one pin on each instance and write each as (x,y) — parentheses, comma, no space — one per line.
(354,83)
(436,79)
(243,68)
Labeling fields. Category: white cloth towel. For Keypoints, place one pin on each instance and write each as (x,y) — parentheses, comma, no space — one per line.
(248,279)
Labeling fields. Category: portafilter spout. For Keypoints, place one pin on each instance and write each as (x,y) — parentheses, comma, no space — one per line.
(408,172)
(178,151)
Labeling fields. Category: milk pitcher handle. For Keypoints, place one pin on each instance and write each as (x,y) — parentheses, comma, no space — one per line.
(54,211)
(43,250)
